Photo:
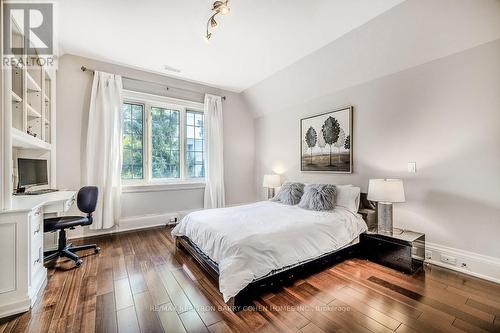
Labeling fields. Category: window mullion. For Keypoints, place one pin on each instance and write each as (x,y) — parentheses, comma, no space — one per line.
(182,142)
(149,143)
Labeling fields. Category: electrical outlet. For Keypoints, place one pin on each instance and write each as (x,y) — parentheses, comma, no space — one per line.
(428,255)
(173,220)
(448,259)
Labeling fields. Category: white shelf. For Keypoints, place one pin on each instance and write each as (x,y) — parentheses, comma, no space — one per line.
(15,97)
(32,112)
(32,85)
(26,141)
(46,98)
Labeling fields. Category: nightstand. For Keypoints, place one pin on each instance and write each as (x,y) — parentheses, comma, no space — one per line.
(404,250)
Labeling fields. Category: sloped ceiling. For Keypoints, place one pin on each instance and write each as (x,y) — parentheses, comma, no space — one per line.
(257,39)
(412,33)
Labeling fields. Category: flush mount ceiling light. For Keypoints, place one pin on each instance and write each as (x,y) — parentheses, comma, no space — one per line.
(219,7)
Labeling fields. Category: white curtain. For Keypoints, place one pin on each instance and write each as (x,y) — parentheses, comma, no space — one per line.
(104,148)
(214,160)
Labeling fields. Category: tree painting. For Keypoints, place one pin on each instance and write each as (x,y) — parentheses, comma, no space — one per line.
(321,141)
(347,144)
(340,142)
(311,139)
(331,131)
(305,147)
(317,132)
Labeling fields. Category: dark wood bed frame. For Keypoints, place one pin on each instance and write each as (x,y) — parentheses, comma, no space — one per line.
(282,278)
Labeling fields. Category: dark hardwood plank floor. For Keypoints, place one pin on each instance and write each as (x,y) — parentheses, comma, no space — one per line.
(139,283)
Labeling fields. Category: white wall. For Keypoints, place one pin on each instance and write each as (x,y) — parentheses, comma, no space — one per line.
(410,34)
(73,90)
(445,115)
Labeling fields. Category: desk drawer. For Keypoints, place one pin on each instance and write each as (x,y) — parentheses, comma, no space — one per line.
(36,228)
(36,260)
(36,224)
(36,244)
(36,216)
(69,203)
(60,206)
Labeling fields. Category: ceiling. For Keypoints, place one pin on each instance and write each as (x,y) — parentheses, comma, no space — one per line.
(257,39)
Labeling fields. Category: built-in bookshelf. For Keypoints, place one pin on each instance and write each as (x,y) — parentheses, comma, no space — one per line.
(31,99)
(31,89)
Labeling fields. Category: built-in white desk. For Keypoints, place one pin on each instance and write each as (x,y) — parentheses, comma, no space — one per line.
(21,248)
(52,202)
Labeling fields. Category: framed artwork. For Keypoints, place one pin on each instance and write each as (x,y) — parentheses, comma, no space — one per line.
(326,142)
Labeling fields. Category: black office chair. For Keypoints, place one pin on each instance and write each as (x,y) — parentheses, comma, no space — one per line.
(86,201)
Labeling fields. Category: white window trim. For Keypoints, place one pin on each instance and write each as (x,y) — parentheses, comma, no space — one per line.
(161,187)
(148,183)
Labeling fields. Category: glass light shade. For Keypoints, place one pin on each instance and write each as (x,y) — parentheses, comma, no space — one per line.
(386,190)
(271,181)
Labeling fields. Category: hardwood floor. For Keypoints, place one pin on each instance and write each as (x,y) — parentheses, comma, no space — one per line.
(139,284)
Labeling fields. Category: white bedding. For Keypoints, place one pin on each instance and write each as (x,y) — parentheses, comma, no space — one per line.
(248,242)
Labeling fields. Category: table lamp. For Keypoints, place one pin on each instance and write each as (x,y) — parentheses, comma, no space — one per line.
(271,182)
(385,192)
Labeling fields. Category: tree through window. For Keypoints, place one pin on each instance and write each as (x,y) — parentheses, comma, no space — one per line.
(133,148)
(162,141)
(195,156)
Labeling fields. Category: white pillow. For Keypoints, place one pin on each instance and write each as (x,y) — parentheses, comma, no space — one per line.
(345,185)
(348,197)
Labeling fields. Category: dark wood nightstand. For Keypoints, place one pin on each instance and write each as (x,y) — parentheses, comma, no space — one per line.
(404,250)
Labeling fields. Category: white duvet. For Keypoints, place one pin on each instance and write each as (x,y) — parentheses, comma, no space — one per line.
(248,242)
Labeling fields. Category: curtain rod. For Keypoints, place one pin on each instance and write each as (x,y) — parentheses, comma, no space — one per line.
(85,69)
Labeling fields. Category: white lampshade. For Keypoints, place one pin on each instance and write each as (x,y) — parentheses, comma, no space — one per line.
(386,190)
(271,181)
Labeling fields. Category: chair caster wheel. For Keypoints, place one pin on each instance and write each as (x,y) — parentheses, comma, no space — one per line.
(79,262)
(97,250)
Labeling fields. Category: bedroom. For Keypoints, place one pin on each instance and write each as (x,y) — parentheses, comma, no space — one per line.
(354,145)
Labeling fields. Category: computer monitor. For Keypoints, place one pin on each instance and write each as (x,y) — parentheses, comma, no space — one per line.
(32,172)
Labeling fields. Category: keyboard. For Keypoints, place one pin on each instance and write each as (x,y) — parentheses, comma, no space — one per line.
(38,192)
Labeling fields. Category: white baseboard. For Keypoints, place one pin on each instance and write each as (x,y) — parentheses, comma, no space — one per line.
(130,223)
(19,306)
(475,264)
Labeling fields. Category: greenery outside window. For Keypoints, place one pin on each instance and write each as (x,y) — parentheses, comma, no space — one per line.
(165,148)
(163,140)
(195,149)
(133,147)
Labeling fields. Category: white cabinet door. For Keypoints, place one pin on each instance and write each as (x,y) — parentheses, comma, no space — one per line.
(8,237)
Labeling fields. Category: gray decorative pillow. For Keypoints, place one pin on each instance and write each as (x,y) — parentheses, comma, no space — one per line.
(290,193)
(318,197)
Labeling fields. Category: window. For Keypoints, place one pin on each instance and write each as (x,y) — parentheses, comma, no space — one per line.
(133,147)
(163,139)
(195,157)
(165,147)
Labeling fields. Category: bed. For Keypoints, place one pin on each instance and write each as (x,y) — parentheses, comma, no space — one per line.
(262,245)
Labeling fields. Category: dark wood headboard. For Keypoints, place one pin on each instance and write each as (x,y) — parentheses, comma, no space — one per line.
(368,209)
